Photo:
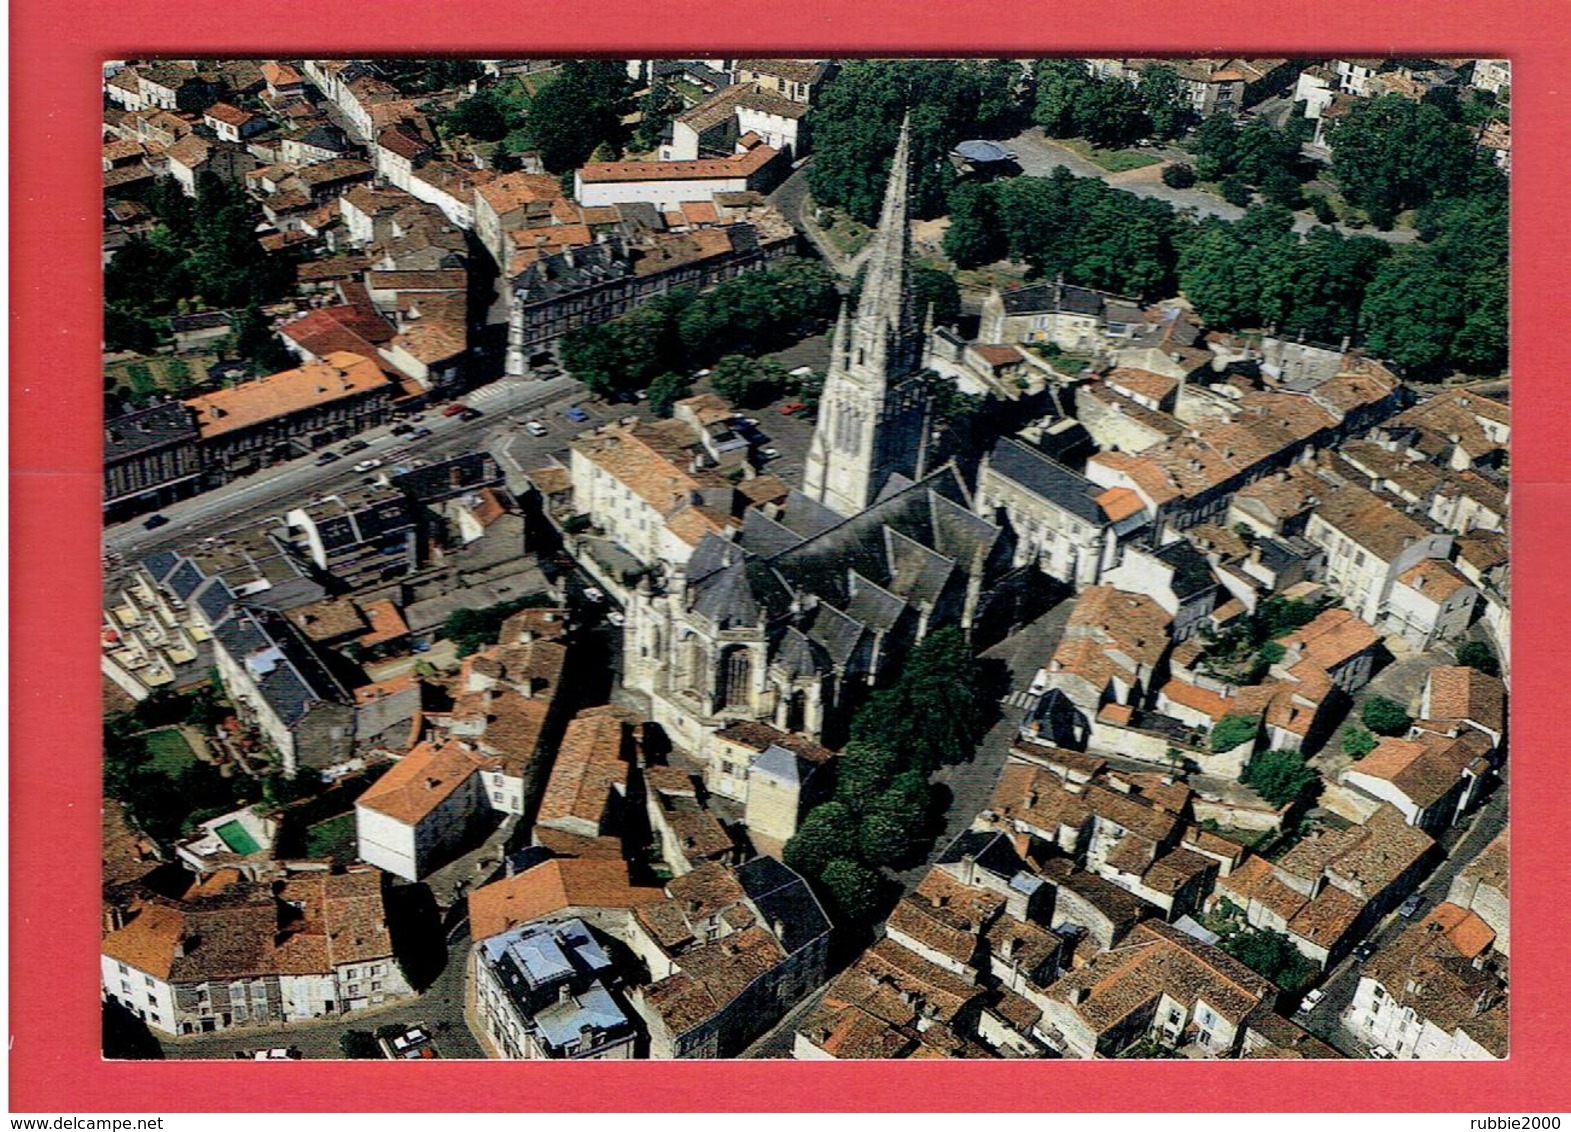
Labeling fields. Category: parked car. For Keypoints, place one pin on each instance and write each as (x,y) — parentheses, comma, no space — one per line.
(575,414)
(327,458)
(592,593)
(470,415)
(791,408)
(420,432)
(402,428)
(454,409)
(802,371)
(355,446)
(701,373)
(1039,682)
(1311,1000)
(368,465)
(535,428)
(1364,950)
(616,618)
(153,522)
(1382,1053)
(640,394)
(1411,906)
(769,453)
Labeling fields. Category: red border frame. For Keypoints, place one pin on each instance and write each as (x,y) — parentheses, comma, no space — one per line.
(56,49)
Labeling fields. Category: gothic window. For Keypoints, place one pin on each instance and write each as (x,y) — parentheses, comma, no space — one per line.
(736,669)
(796,712)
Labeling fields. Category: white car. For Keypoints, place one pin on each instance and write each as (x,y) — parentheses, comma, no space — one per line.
(367,465)
(1039,682)
(1382,1053)
(701,373)
(592,593)
(535,428)
(801,371)
(1311,1000)
(616,618)
(769,453)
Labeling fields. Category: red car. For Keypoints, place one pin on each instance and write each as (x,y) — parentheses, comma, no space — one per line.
(791,408)
(454,409)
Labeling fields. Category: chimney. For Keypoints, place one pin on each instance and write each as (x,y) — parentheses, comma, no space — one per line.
(1079,995)
(968,869)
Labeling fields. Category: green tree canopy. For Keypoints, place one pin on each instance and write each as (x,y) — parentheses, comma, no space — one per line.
(855,891)
(1278,776)
(829,831)
(1272,954)
(665,390)
(935,712)
(1477,655)
(1358,742)
(1385,716)
(748,382)
(1231,730)
(1389,154)
(578,111)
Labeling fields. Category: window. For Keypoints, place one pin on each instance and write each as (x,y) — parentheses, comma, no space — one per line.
(376,986)
(351,972)
(148,979)
(124,970)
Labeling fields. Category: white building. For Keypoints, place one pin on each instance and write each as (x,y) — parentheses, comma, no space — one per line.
(666,183)
(412,817)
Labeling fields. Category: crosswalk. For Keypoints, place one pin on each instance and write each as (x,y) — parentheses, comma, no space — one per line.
(1022,699)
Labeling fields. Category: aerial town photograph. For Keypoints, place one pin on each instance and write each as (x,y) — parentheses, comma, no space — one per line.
(805,558)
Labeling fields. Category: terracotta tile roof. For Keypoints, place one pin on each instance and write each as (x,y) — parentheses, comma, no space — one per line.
(328,619)
(387,624)
(552,887)
(279,74)
(996,356)
(446,279)
(760,736)
(381,689)
(128,855)
(591,763)
(1370,521)
(1435,579)
(1118,503)
(337,376)
(701,169)
(230,115)
(1326,920)
(711,978)
(1154,960)
(1333,638)
(1210,704)
(421,781)
(1254,880)
(945,915)
(1371,856)
(1035,797)
(514,190)
(1425,972)
(1457,693)
(1464,929)
(1285,493)
(564,844)
(1141,382)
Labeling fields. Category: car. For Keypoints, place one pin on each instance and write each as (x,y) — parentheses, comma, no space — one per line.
(616,618)
(1039,682)
(276,1054)
(420,433)
(153,522)
(368,465)
(769,453)
(535,428)
(791,408)
(575,414)
(327,458)
(592,593)
(470,415)
(454,409)
(1382,1053)
(402,428)
(355,446)
(802,371)
(701,373)
(1409,907)
(1311,1000)
(1364,950)
(750,422)
(640,394)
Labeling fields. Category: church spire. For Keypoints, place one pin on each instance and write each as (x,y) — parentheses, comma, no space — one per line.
(886,325)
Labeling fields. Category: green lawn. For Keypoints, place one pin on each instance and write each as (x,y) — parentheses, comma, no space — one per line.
(846,234)
(171,753)
(1113,160)
(333,838)
(160,373)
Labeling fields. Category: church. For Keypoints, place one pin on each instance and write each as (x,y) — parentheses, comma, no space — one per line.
(789,620)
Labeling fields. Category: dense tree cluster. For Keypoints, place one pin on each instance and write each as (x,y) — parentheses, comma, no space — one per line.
(682,330)
(165,805)
(1478,656)
(1231,730)
(580,111)
(1385,716)
(1269,953)
(749,382)
(884,809)
(1390,154)
(471,630)
(1071,102)
(1254,156)
(857,118)
(202,254)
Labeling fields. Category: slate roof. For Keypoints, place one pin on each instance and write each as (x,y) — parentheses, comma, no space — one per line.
(787,905)
(1041,475)
(149,428)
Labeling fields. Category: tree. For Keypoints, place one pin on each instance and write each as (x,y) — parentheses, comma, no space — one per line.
(655,109)
(748,382)
(935,711)
(828,831)
(471,630)
(1278,776)
(578,111)
(482,116)
(1479,656)
(1272,954)
(854,891)
(1215,146)
(360,1045)
(256,343)
(937,295)
(862,772)
(1162,98)
(1384,716)
(1358,742)
(665,390)
(1389,154)
(1178,176)
(974,237)
(1235,190)
(1231,730)
(896,822)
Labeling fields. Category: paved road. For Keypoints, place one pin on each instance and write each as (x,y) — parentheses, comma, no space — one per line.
(1038,155)
(1465,844)
(791,197)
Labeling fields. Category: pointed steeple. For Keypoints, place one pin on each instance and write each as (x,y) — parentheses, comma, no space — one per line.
(886,325)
